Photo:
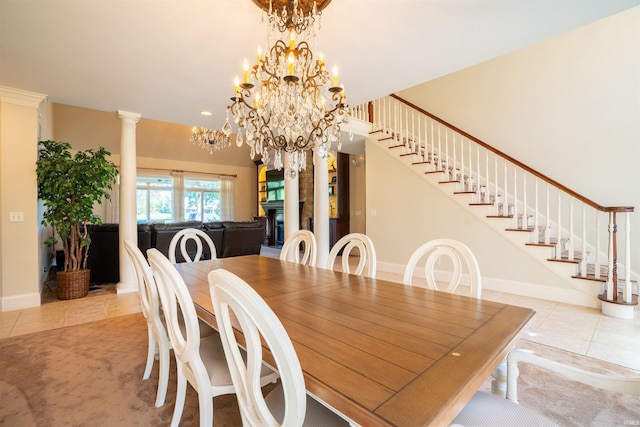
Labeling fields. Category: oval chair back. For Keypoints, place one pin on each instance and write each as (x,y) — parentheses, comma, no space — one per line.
(300,242)
(366,251)
(184,237)
(459,255)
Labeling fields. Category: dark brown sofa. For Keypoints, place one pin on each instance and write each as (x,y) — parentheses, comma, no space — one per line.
(231,238)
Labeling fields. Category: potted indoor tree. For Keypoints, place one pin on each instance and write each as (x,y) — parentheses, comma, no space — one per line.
(70,185)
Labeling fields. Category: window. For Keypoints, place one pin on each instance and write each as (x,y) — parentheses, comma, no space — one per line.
(155,199)
(202,200)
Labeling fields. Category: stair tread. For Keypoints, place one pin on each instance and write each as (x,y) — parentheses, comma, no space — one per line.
(619,300)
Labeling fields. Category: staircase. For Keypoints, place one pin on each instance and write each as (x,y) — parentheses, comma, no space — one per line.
(578,236)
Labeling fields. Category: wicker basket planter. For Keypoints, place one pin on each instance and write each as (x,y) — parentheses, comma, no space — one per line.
(72,284)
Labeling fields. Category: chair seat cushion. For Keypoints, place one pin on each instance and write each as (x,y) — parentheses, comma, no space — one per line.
(489,410)
(316,414)
(212,354)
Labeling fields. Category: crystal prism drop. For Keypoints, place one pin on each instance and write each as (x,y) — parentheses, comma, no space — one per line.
(226,128)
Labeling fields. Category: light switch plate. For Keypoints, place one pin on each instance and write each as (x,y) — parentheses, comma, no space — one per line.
(16,216)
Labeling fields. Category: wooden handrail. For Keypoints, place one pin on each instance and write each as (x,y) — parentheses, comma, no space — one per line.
(521,165)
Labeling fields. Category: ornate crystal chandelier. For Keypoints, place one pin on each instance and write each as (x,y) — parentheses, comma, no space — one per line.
(287,102)
(209,139)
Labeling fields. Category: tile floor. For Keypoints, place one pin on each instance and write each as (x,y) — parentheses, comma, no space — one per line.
(580,330)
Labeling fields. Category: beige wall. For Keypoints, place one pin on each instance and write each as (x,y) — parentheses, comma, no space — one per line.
(569,107)
(20,270)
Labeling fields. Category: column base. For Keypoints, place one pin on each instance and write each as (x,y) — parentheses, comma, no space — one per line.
(125,288)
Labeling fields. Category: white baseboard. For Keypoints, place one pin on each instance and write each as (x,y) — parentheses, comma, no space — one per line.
(19,302)
(532,290)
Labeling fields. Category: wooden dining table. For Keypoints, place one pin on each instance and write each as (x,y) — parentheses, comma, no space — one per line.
(375,351)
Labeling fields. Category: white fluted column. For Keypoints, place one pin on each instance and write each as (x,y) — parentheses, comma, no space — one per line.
(291,202)
(321,207)
(128,224)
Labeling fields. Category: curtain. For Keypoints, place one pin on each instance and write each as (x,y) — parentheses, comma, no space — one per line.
(178,195)
(227,206)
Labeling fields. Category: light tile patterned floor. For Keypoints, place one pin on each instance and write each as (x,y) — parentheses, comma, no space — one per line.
(576,329)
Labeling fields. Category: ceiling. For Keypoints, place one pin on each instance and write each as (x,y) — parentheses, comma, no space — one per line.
(170,59)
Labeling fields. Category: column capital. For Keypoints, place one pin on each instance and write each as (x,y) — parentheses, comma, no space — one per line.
(122,115)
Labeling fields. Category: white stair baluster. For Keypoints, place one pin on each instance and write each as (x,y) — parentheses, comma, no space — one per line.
(610,259)
(570,248)
(515,194)
(547,227)
(486,175)
(439,149)
(583,264)
(536,213)
(454,173)
(433,149)
(524,201)
(505,202)
(559,222)
(596,264)
(496,207)
(413,132)
(626,296)
(464,187)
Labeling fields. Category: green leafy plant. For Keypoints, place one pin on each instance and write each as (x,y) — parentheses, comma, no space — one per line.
(70,185)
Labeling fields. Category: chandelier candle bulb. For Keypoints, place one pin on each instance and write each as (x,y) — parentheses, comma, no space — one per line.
(334,78)
(259,54)
(247,76)
(290,64)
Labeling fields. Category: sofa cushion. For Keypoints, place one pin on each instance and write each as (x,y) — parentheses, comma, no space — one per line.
(241,224)
(213,225)
(176,226)
(242,238)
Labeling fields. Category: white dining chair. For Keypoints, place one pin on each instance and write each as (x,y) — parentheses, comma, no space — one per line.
(489,410)
(300,241)
(366,252)
(238,305)
(150,303)
(200,361)
(183,237)
(460,257)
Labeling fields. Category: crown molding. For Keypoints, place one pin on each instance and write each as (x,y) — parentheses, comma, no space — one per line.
(21,97)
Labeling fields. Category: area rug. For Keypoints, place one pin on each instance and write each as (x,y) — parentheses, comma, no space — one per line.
(570,403)
(91,375)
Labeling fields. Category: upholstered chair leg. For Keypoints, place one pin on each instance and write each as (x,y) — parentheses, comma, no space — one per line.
(180,395)
(163,377)
(205,400)
(151,353)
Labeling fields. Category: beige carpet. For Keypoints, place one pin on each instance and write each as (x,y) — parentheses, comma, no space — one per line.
(91,375)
